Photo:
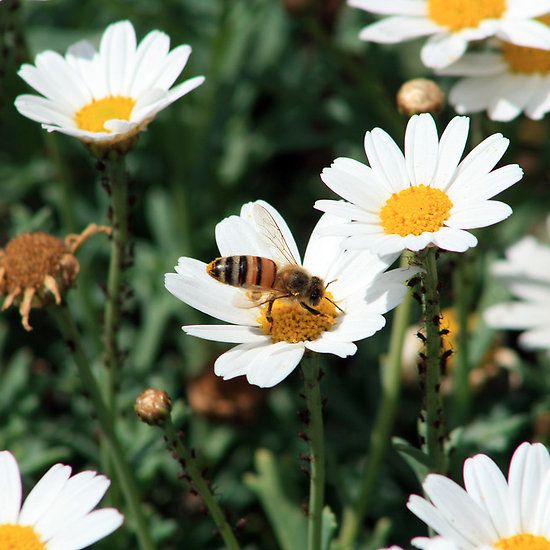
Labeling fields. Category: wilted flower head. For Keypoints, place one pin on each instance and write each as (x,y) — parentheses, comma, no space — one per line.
(420,95)
(106,97)
(37,268)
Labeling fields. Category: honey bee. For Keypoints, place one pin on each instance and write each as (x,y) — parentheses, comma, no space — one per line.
(267,280)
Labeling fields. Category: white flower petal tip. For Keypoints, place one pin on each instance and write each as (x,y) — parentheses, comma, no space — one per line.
(107,97)
(423,197)
(526,274)
(60,508)
(490,510)
(450,30)
(348,299)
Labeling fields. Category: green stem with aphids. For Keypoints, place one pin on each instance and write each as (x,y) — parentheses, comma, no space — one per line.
(432,423)
(312,390)
(189,464)
(390,375)
(122,469)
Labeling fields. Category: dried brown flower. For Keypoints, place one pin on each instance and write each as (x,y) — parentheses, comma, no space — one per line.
(37,268)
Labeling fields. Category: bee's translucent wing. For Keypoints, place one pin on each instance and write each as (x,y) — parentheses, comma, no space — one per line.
(254,297)
(272,233)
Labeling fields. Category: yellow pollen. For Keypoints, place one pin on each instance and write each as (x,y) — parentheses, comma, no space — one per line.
(524,60)
(523,542)
(292,323)
(92,117)
(415,210)
(19,537)
(464,14)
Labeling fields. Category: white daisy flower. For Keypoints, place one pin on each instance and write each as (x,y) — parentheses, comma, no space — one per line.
(504,83)
(426,196)
(526,272)
(268,350)
(491,513)
(452,24)
(107,96)
(57,514)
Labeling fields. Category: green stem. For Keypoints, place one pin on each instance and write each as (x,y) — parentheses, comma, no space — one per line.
(122,468)
(390,374)
(312,392)
(188,462)
(118,188)
(462,395)
(432,426)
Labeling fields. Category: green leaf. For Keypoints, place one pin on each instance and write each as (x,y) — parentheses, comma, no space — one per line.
(285,516)
(329,527)
(419,461)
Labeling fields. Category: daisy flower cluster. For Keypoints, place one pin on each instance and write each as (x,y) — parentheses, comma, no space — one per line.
(508,75)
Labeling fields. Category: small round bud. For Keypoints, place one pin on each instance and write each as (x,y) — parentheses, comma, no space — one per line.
(153,406)
(420,95)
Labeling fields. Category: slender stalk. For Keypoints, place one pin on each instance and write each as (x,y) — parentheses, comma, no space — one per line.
(117,185)
(123,471)
(188,462)
(462,395)
(432,425)
(312,391)
(390,374)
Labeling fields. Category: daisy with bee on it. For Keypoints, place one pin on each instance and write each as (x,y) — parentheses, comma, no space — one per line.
(278,305)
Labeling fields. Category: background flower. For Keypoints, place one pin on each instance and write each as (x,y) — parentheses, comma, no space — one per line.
(57,514)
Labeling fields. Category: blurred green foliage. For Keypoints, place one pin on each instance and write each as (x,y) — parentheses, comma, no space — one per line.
(285,94)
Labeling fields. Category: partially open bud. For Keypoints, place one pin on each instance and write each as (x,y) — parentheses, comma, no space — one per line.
(37,268)
(420,95)
(153,406)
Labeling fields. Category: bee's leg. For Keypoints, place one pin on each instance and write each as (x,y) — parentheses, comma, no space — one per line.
(268,312)
(310,309)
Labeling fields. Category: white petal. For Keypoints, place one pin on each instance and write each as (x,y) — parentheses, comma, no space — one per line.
(274,364)
(528,467)
(10,488)
(347,211)
(525,9)
(442,50)
(487,486)
(41,109)
(480,64)
(237,360)
(421,148)
(455,240)
(386,160)
(516,315)
(236,236)
(525,32)
(459,509)
(388,289)
(473,94)
(537,338)
(356,182)
(173,66)
(335,347)
(479,162)
(117,50)
(196,288)
(86,531)
(451,147)
(232,334)
(478,215)
(43,494)
(512,97)
(355,326)
(391,30)
(539,104)
(401,7)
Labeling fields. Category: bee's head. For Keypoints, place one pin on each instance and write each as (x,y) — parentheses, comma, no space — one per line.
(316,291)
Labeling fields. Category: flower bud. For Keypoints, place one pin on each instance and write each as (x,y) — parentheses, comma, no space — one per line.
(153,406)
(420,95)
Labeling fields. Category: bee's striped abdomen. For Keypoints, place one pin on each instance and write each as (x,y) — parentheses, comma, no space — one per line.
(244,271)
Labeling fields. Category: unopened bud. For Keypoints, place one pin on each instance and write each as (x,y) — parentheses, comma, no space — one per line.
(153,406)
(420,95)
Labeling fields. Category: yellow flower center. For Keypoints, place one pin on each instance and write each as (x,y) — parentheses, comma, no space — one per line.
(293,323)
(19,537)
(464,14)
(523,60)
(523,542)
(415,210)
(92,117)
